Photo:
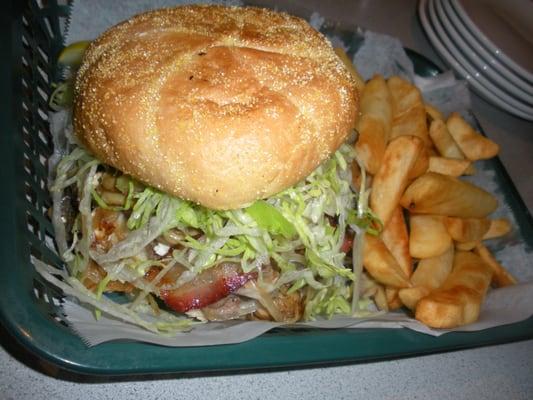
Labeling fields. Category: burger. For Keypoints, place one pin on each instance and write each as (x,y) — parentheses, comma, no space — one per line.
(208,176)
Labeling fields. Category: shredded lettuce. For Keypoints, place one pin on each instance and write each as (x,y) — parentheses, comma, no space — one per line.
(269,218)
(165,323)
(300,230)
(138,239)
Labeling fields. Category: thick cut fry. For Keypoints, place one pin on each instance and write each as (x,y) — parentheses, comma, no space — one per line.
(439,194)
(428,236)
(359,81)
(432,152)
(466,246)
(429,275)
(381,264)
(393,301)
(356,175)
(404,95)
(498,227)
(432,272)
(396,239)
(471,170)
(380,298)
(409,113)
(392,177)
(368,286)
(501,277)
(433,112)
(421,165)
(448,166)
(371,143)
(376,101)
(473,144)
(411,296)
(459,300)
(467,229)
(443,141)
(412,122)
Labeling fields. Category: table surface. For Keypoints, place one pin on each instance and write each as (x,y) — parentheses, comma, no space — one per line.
(495,372)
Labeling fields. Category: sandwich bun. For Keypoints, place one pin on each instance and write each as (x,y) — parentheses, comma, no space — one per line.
(218,105)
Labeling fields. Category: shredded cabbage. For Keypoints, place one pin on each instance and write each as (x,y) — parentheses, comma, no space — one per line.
(300,230)
(164,323)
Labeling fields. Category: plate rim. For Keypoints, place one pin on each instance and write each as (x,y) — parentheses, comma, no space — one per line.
(466,64)
(470,53)
(451,61)
(489,45)
(481,50)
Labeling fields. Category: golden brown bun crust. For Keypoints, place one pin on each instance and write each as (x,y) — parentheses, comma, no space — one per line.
(217,105)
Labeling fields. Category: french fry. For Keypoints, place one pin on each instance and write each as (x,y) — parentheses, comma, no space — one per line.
(392,178)
(466,246)
(371,143)
(467,229)
(393,300)
(434,193)
(501,277)
(459,300)
(368,286)
(381,264)
(428,236)
(446,146)
(498,227)
(411,296)
(473,144)
(432,152)
(409,113)
(412,122)
(404,95)
(471,170)
(359,81)
(421,165)
(372,289)
(429,275)
(396,239)
(432,272)
(376,101)
(448,166)
(443,140)
(433,112)
(380,298)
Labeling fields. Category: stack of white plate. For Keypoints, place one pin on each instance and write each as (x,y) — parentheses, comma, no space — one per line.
(490,44)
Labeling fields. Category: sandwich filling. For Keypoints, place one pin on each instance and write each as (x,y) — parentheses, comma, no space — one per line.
(164,263)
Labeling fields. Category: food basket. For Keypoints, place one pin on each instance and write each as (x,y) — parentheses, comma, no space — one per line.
(30,307)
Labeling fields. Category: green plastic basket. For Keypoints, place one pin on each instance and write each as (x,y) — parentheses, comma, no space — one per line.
(29,307)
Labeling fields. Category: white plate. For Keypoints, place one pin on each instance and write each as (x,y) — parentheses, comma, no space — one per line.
(478,62)
(507,24)
(477,86)
(485,59)
(494,48)
(471,73)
